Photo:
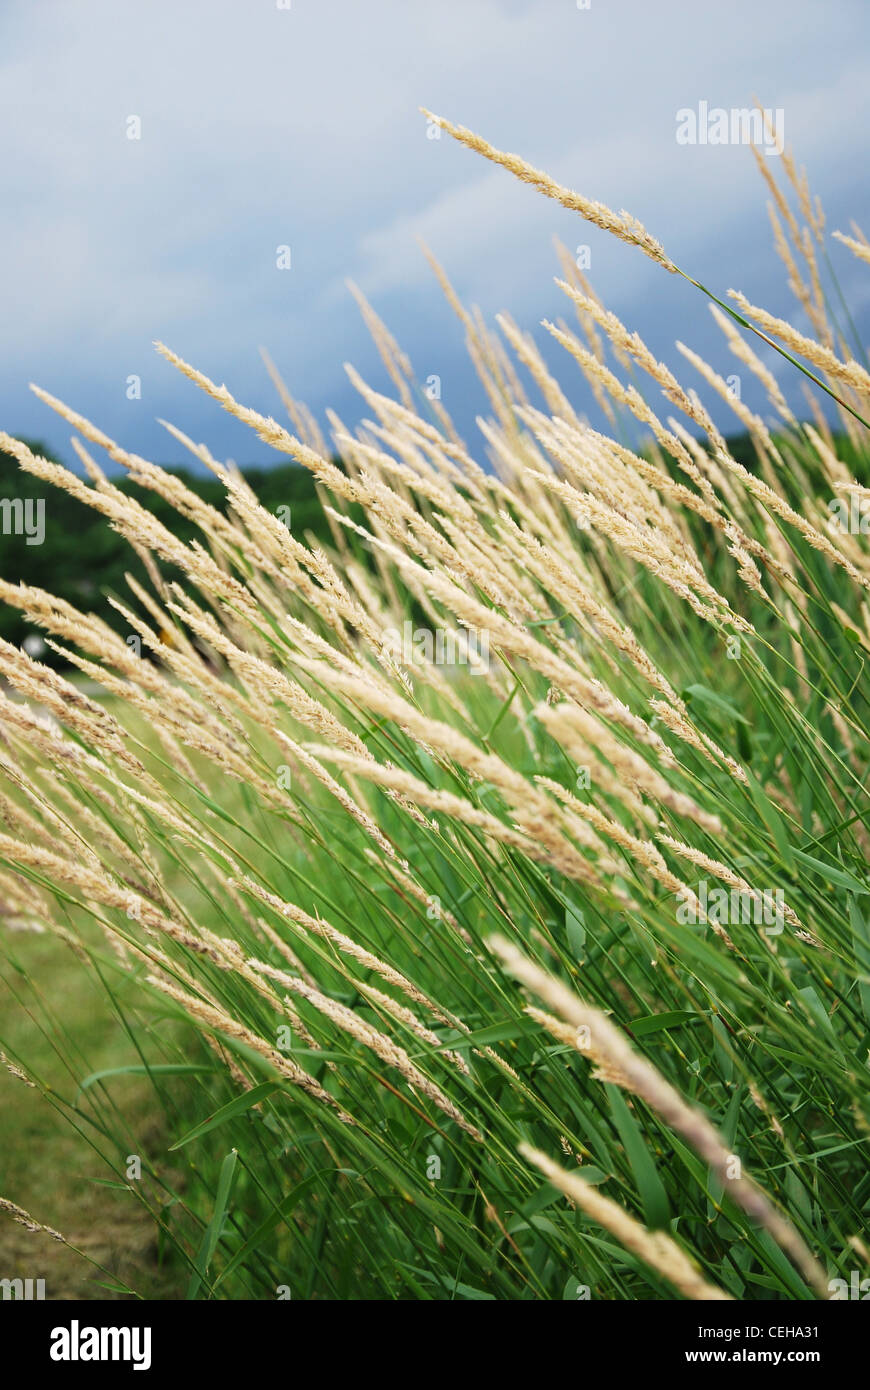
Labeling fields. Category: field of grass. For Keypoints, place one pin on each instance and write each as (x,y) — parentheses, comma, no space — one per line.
(536,968)
(56,1015)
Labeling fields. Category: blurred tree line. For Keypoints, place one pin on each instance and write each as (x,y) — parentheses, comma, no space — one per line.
(81,559)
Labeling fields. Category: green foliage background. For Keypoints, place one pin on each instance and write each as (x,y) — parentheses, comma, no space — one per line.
(83,560)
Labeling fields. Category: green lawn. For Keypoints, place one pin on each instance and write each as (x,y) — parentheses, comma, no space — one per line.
(45,1166)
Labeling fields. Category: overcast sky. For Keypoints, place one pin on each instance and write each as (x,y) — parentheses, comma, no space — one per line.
(264,126)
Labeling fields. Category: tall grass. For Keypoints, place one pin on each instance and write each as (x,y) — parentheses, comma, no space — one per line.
(537,967)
